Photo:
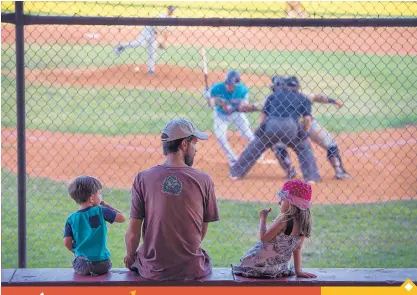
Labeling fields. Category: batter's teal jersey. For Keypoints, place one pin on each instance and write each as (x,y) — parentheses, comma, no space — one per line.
(240,93)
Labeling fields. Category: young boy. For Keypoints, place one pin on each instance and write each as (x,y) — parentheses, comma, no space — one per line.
(86,231)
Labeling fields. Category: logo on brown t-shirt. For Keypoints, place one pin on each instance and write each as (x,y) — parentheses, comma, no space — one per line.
(172,185)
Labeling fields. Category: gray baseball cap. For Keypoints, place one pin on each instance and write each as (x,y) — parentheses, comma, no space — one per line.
(181,128)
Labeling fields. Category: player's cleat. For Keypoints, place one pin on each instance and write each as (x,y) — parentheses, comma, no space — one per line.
(119,49)
(342,175)
(311,182)
(151,73)
(234,178)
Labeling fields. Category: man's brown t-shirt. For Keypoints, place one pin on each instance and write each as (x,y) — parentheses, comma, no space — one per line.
(173,203)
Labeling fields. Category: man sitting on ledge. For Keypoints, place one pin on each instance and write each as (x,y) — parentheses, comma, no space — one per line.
(175,203)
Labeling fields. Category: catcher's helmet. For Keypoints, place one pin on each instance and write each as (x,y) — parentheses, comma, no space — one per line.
(277,81)
(232,78)
(292,81)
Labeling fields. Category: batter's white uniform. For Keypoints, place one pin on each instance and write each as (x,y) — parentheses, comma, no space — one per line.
(222,120)
(147,39)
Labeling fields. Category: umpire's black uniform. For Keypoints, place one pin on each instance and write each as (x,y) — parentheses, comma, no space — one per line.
(282,109)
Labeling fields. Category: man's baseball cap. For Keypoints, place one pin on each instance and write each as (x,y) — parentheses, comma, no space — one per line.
(171,7)
(181,128)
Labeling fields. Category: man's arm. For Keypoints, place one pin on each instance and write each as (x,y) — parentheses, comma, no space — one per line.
(211,211)
(204,231)
(132,239)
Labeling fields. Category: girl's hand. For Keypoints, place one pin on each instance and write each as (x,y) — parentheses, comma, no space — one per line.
(306,275)
(264,213)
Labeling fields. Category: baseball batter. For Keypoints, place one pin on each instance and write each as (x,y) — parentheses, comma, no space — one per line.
(148,39)
(279,124)
(228,98)
(318,134)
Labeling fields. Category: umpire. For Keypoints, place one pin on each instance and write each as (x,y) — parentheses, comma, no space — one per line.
(281,113)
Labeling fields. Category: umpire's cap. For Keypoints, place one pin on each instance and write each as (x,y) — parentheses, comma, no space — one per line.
(232,78)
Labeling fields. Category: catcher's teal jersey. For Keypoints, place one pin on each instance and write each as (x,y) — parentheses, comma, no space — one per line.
(240,93)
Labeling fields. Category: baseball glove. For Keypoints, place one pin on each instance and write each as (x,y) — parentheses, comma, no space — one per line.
(225,105)
(247,108)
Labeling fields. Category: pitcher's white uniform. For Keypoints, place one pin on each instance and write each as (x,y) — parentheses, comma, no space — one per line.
(148,39)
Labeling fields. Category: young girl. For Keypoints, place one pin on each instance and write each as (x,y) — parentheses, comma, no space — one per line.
(270,256)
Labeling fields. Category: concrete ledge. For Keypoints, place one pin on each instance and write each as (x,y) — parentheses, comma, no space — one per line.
(219,277)
(6,275)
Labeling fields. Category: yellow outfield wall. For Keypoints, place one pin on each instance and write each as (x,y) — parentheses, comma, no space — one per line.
(267,9)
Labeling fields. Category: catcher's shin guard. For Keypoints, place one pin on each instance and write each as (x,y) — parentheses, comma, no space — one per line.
(336,161)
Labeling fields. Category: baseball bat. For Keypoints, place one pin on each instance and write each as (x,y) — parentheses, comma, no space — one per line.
(204,68)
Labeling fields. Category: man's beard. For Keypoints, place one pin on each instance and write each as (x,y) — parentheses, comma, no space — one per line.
(188,160)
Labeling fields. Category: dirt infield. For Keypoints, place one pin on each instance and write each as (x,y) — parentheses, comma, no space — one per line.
(382,163)
(401,41)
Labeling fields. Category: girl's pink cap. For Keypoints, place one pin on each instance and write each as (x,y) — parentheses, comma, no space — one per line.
(297,193)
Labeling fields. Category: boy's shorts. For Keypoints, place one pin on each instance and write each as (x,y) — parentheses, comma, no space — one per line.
(91,268)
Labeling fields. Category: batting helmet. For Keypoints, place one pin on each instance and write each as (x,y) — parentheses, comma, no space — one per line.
(232,78)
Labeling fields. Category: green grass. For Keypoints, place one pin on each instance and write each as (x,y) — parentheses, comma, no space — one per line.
(378,91)
(363,235)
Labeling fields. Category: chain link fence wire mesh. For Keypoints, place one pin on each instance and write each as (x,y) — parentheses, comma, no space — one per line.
(93,108)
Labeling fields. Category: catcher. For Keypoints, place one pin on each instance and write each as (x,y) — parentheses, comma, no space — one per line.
(318,134)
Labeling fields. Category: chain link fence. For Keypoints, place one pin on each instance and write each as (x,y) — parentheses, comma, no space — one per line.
(93,107)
